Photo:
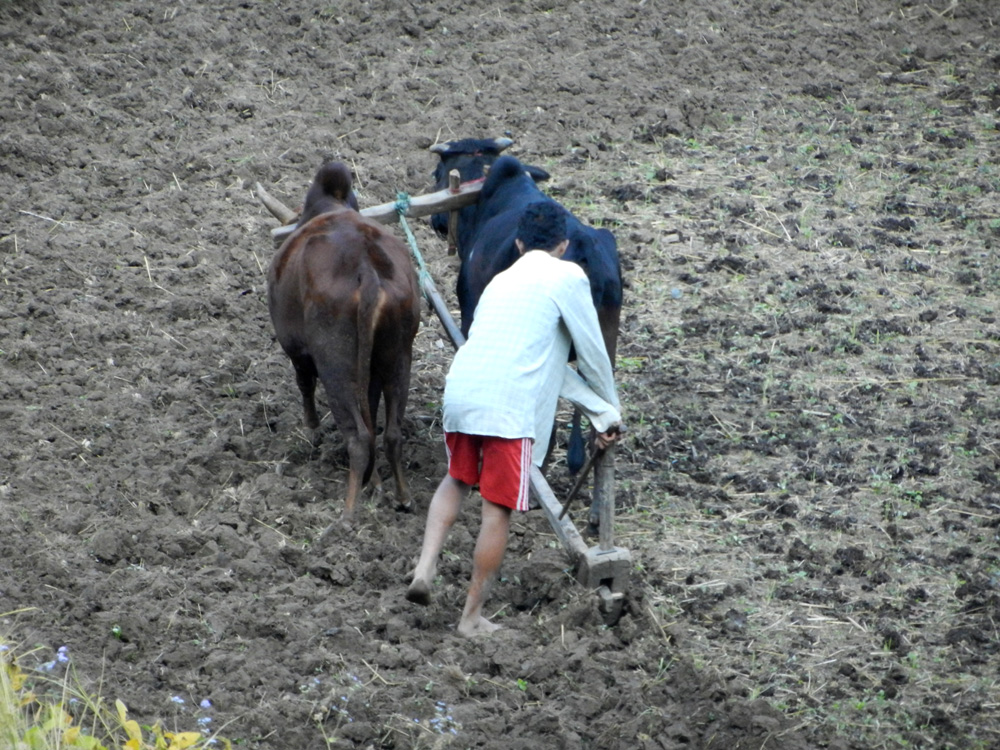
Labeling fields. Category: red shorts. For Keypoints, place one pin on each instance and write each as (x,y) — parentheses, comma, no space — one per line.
(500,466)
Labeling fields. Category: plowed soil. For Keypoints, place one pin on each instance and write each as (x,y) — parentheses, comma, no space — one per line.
(805,199)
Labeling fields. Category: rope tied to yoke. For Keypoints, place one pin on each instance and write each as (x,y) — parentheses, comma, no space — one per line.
(426,282)
(402,206)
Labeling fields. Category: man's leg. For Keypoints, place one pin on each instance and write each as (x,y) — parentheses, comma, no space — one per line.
(441,515)
(490,548)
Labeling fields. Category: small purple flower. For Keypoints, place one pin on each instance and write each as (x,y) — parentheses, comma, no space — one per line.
(205,703)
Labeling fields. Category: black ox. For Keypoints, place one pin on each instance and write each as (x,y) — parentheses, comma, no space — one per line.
(486,231)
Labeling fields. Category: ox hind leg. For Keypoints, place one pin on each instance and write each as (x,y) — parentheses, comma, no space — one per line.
(395,386)
(305,377)
(339,378)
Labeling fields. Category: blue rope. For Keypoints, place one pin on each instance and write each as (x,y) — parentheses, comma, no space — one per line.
(402,206)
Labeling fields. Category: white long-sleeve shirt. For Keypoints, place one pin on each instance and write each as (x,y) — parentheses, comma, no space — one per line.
(506,379)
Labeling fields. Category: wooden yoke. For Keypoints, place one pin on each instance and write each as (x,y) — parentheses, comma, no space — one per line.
(454,181)
(386,213)
(454,186)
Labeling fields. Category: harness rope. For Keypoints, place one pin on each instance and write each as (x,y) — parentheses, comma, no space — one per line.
(402,206)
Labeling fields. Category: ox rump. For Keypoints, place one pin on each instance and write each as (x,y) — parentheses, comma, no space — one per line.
(344,302)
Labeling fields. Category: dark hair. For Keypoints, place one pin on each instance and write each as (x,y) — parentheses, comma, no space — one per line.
(542,227)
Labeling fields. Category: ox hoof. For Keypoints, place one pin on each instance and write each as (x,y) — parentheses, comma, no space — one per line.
(324,538)
(406,507)
(419,593)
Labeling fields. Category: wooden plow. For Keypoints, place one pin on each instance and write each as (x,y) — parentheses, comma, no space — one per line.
(604,568)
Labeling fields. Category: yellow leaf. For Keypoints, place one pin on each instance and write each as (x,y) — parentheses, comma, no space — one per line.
(184,740)
(133,731)
(122,711)
(159,740)
(71,735)
(17,677)
(132,744)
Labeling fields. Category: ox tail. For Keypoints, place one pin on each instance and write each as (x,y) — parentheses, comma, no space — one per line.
(371,299)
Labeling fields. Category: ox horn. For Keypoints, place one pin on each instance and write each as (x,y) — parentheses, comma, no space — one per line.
(498,143)
(279,210)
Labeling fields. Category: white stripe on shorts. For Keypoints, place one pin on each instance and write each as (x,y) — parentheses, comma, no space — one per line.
(522,492)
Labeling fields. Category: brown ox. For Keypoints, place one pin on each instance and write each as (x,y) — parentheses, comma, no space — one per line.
(345,307)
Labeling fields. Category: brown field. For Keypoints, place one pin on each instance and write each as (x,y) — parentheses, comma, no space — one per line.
(805,197)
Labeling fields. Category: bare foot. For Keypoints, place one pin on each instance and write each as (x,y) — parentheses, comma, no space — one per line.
(419,592)
(477,626)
